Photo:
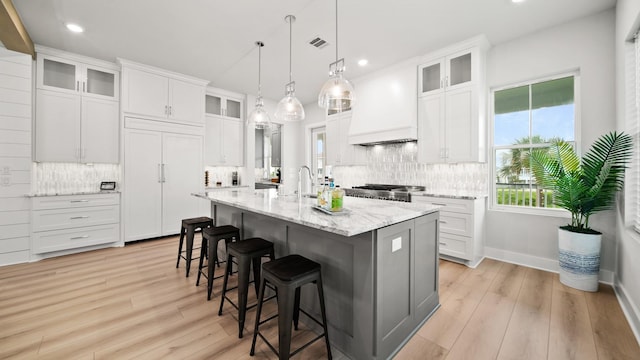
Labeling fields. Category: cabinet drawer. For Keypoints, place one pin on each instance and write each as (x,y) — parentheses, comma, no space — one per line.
(74,201)
(463,206)
(455,223)
(45,220)
(48,241)
(456,246)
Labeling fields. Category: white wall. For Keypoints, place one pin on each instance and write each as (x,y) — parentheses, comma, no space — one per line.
(15,155)
(588,45)
(628,251)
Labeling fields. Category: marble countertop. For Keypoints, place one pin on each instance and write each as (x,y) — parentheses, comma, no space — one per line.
(76,193)
(360,215)
(448,196)
(221,187)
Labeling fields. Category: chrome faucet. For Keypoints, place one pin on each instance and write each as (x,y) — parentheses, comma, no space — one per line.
(300,179)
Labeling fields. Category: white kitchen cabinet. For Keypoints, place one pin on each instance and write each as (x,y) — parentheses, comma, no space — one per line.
(162,95)
(224,103)
(224,128)
(461,227)
(451,98)
(77,117)
(339,151)
(74,221)
(161,171)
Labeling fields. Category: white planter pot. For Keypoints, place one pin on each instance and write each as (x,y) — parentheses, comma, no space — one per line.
(579,257)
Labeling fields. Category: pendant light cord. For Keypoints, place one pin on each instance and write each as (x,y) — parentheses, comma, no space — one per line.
(260,45)
(336,30)
(290,45)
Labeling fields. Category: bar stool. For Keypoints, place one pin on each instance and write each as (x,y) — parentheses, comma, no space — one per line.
(288,274)
(189,227)
(209,248)
(246,252)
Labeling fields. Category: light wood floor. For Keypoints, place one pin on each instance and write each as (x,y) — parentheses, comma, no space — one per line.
(131,302)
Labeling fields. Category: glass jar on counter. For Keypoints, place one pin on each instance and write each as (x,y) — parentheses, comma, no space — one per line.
(337,196)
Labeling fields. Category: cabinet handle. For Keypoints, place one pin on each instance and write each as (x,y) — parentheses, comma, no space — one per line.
(170,111)
(439,204)
(443,243)
(78,217)
(163,178)
(166,110)
(159,173)
(78,85)
(79,237)
(79,201)
(84,86)
(442,222)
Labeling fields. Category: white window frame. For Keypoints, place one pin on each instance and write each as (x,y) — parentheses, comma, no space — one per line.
(530,210)
(314,165)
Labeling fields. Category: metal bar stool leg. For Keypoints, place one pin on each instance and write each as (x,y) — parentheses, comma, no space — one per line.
(203,250)
(224,284)
(258,313)
(243,286)
(190,236)
(182,231)
(324,316)
(286,298)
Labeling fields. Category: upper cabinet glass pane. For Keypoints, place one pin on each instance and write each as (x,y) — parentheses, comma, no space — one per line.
(59,74)
(460,69)
(431,77)
(213,105)
(233,109)
(100,83)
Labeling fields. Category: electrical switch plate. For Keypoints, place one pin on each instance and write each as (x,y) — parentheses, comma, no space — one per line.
(396,244)
(6,170)
(5,180)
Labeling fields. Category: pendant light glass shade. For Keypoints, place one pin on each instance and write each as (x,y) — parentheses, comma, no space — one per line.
(337,93)
(259,117)
(290,108)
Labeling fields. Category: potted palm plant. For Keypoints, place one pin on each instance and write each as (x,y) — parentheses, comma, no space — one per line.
(583,187)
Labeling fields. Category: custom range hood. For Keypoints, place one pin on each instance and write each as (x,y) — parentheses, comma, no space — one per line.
(386,106)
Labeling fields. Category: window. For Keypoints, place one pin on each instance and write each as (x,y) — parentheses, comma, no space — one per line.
(318,153)
(527,117)
(632,177)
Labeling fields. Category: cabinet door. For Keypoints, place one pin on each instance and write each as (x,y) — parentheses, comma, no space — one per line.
(99,129)
(233,144)
(57,126)
(183,175)
(101,83)
(233,108)
(142,185)
(431,77)
(431,128)
(213,140)
(147,93)
(461,129)
(186,102)
(276,148)
(459,69)
(351,154)
(54,73)
(333,141)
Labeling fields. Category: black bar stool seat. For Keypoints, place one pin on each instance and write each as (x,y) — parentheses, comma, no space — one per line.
(247,252)
(188,228)
(209,249)
(288,274)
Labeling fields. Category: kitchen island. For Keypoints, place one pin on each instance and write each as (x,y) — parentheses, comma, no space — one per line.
(379,261)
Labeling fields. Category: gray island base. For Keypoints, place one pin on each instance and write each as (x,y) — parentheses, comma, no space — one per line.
(379,261)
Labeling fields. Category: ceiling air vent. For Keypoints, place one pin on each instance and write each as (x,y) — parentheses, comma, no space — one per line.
(318,42)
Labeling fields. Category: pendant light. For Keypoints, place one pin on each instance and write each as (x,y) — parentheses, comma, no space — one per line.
(259,118)
(337,93)
(290,108)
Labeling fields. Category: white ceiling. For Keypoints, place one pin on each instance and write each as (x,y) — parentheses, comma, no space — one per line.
(214,39)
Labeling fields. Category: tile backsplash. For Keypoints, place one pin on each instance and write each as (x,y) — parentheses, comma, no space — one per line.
(69,178)
(397,164)
(222,174)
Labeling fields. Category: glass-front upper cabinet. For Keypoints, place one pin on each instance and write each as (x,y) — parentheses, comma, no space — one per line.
(222,104)
(446,73)
(68,75)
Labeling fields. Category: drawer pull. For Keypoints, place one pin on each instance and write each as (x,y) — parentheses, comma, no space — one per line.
(79,237)
(78,217)
(443,243)
(79,201)
(443,221)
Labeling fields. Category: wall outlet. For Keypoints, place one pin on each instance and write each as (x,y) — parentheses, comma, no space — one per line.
(396,244)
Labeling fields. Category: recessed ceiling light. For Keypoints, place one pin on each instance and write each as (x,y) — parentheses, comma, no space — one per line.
(363,62)
(517,1)
(75,28)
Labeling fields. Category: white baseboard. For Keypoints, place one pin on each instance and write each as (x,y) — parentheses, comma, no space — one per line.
(630,310)
(546,264)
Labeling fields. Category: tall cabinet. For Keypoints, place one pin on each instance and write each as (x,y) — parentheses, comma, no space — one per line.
(224,125)
(77,99)
(163,150)
(451,104)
